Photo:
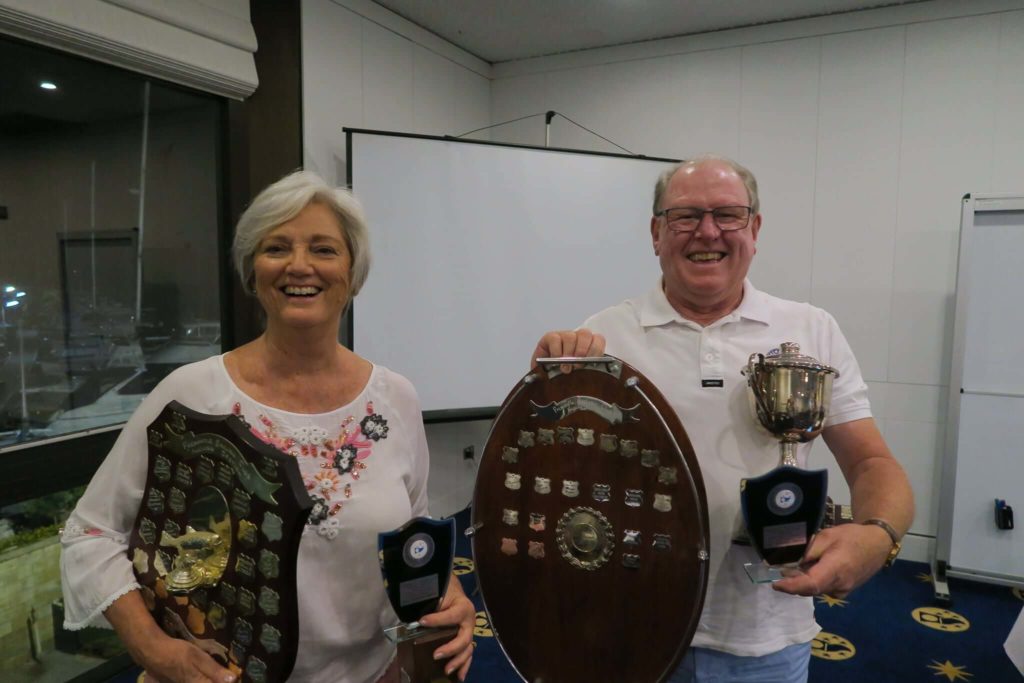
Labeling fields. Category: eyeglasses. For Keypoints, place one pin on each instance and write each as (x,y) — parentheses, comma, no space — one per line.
(687,218)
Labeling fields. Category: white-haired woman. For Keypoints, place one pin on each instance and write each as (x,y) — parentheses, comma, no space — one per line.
(354,427)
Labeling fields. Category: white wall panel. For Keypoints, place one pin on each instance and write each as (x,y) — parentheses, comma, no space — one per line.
(594,97)
(332,84)
(387,79)
(778,142)
(1008,150)
(856,188)
(518,97)
(946,151)
(703,115)
(472,95)
(433,93)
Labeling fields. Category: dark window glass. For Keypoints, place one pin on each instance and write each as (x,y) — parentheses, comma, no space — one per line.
(109,273)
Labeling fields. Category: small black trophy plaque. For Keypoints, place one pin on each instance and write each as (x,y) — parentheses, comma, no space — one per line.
(783,509)
(416,562)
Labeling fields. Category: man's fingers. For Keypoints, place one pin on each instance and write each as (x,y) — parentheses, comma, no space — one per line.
(580,343)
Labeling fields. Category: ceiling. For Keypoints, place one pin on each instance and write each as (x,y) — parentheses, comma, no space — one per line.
(506,30)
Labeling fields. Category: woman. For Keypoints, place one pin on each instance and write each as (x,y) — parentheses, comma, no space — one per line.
(354,427)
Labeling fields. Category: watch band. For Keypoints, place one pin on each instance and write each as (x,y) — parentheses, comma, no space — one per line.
(893,536)
(885,525)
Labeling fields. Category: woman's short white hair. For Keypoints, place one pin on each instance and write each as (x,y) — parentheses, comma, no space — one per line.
(282,201)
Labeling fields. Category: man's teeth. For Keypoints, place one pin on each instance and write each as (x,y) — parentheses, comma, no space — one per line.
(707,256)
(301,291)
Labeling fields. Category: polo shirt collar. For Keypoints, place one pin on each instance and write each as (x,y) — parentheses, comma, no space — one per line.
(655,309)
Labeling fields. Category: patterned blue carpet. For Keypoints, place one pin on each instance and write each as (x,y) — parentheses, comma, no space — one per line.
(888,631)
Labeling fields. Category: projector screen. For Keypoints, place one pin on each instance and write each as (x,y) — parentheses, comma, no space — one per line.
(480,248)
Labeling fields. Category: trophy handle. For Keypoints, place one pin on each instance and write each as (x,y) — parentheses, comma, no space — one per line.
(754,364)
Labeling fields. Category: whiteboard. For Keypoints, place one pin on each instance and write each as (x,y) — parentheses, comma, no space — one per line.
(983,460)
(480,248)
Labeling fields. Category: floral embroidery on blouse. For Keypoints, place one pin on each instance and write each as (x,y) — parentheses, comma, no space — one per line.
(342,458)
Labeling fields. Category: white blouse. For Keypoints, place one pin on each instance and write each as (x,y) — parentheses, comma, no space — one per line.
(364,464)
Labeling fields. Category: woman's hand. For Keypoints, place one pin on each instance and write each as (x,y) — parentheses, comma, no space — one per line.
(178,661)
(165,659)
(455,610)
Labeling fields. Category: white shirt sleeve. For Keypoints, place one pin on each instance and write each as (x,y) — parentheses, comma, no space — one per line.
(95,569)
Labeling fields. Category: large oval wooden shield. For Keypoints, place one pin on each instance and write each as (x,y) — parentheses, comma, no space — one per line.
(590,528)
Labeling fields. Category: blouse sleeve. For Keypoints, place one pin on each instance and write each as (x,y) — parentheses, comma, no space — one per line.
(407,403)
(95,569)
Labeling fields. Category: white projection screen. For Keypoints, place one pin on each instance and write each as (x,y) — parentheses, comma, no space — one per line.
(480,248)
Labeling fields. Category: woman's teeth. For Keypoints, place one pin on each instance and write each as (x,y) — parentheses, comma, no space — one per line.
(301,291)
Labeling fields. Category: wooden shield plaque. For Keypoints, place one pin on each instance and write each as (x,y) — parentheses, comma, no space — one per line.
(215,541)
(590,527)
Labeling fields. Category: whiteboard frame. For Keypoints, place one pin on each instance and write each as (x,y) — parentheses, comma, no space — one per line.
(971,205)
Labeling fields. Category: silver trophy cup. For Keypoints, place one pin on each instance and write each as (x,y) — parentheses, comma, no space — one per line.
(789,394)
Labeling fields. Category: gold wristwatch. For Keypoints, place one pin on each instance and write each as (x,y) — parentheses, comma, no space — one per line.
(896,545)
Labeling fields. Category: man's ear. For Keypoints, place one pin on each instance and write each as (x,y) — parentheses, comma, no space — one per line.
(656,235)
(755,227)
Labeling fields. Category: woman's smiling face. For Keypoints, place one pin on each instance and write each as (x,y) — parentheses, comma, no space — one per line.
(301,270)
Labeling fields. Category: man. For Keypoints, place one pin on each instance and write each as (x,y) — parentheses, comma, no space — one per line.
(691,335)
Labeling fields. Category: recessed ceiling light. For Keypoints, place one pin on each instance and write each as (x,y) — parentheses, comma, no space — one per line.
(48,85)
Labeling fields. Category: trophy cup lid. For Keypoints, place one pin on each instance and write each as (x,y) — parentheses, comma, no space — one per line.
(790,357)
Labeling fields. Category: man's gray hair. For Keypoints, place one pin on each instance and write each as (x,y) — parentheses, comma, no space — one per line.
(749,181)
(281,202)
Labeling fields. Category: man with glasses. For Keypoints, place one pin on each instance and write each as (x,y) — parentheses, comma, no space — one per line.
(690,335)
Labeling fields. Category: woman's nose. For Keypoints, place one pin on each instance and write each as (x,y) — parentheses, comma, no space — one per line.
(299,260)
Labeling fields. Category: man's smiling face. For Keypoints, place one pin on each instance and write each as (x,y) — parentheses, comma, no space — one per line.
(704,270)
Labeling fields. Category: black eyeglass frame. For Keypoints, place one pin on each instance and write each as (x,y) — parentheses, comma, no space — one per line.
(714,217)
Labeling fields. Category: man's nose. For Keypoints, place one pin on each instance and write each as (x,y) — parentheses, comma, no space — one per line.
(707,227)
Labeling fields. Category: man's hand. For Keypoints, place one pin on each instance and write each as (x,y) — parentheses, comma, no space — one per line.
(579,343)
(838,560)
(455,609)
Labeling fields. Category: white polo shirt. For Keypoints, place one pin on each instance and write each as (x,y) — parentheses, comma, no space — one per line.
(698,370)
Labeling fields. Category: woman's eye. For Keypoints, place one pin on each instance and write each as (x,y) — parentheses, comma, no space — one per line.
(326,251)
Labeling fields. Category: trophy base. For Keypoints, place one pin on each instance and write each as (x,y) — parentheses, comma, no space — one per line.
(416,645)
(761,572)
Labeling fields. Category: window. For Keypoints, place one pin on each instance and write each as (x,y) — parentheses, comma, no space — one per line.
(110,273)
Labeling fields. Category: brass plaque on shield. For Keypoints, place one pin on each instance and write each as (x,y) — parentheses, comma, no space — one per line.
(618,592)
(215,541)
